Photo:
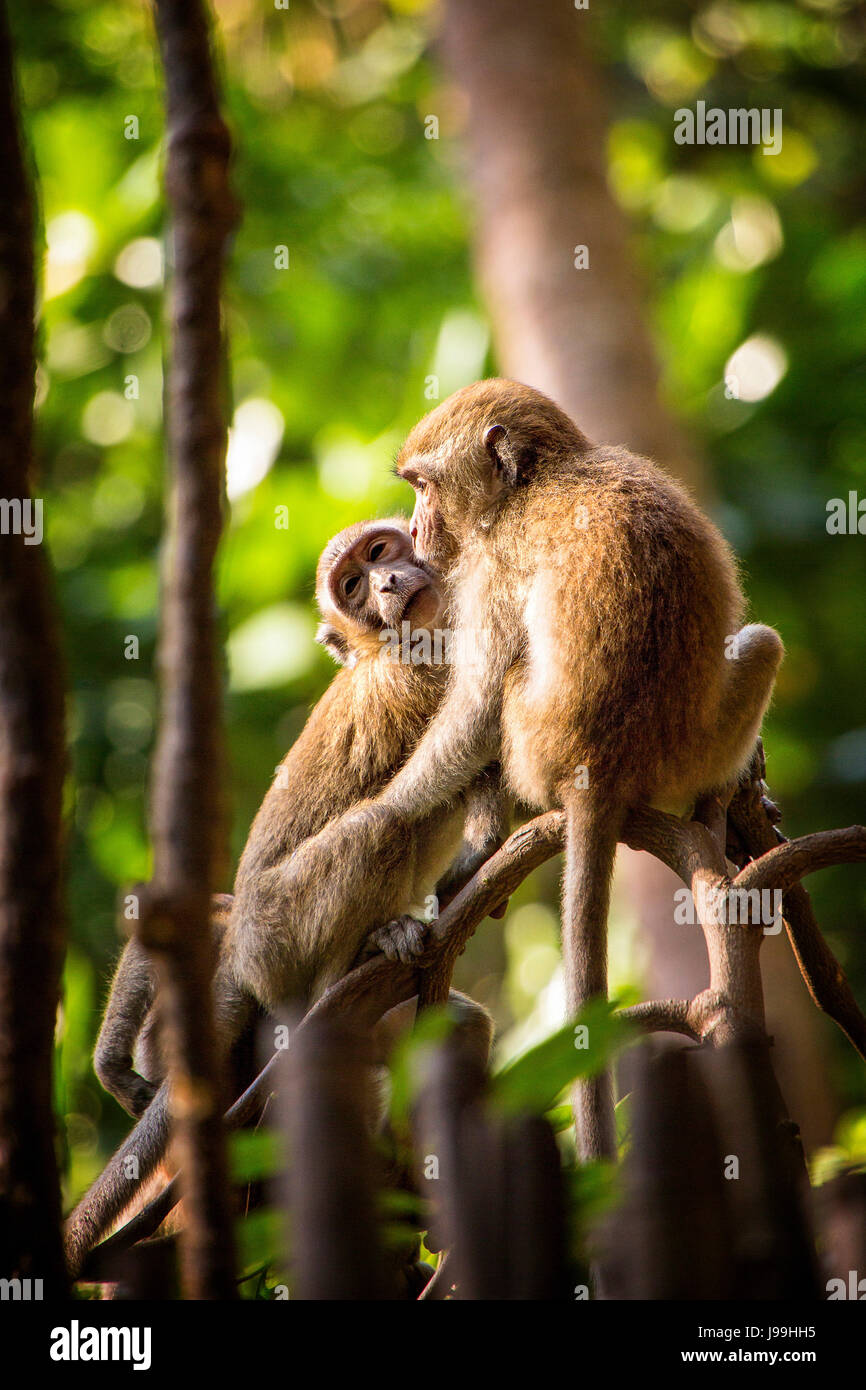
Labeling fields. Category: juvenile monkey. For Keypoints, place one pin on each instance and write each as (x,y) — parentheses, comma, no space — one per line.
(612,671)
(300,914)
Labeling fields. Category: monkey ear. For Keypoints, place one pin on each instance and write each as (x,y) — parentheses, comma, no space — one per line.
(498,446)
(335,643)
(512,466)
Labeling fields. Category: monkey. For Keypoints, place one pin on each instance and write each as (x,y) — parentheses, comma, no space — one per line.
(613,670)
(298,804)
(299,918)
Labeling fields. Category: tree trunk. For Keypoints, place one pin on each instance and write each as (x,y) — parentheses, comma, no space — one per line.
(32,763)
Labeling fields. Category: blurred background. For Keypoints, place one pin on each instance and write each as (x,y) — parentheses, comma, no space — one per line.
(752,270)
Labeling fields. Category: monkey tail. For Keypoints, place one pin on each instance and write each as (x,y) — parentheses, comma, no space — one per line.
(593,821)
(118,1183)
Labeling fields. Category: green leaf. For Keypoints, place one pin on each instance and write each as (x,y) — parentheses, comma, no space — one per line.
(534,1081)
(260,1240)
(431,1028)
(256,1154)
(623,1117)
(394,1202)
(560,1118)
(592,1190)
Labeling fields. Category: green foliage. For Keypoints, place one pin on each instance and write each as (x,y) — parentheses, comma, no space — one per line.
(846,1154)
(592,1191)
(260,1239)
(408,1059)
(256,1154)
(535,1080)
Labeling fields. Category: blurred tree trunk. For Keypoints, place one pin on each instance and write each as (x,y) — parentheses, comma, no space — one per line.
(537,169)
(32,763)
(187,822)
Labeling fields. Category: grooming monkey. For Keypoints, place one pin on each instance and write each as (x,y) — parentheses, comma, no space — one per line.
(299,918)
(612,670)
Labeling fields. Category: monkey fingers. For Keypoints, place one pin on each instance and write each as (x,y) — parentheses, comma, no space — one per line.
(401,941)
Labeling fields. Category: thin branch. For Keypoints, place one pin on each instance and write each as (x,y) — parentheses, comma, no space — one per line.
(752,820)
(663,1016)
(785,865)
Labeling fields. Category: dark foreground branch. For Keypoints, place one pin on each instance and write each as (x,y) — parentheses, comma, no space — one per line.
(186,820)
(32,760)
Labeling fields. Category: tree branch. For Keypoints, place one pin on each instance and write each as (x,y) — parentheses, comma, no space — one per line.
(785,865)
(692,849)
(752,821)
(186,816)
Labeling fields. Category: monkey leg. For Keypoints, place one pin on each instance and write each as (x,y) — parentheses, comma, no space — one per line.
(756,656)
(592,824)
(132,994)
(473,1026)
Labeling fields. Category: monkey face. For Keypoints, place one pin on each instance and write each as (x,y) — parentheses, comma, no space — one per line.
(369,580)
(432,539)
(469,454)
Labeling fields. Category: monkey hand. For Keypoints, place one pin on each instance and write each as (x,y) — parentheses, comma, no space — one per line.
(401,941)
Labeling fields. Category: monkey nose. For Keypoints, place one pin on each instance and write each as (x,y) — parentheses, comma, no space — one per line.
(388,584)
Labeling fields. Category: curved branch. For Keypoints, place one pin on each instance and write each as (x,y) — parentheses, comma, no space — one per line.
(822,973)
(785,865)
(373,988)
(685,846)
(662,1016)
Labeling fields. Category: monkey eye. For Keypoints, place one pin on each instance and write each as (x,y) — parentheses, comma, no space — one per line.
(376,550)
(350,584)
(420,484)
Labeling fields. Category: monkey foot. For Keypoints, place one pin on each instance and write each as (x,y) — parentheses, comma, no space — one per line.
(401,941)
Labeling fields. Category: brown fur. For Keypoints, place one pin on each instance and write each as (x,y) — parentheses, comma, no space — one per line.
(606,597)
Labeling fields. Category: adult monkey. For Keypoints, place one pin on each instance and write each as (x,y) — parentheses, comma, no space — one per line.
(302,909)
(612,671)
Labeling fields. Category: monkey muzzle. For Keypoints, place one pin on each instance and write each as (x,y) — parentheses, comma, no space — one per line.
(399,597)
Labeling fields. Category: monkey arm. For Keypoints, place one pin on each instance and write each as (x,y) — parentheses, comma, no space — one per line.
(132,994)
(129,1026)
(463,736)
(486,826)
(488,823)
(145,1145)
